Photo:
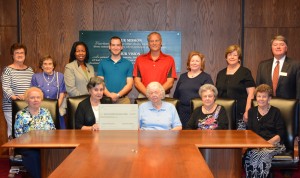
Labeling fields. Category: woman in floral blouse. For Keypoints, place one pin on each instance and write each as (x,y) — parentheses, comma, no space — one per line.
(32,117)
(209,116)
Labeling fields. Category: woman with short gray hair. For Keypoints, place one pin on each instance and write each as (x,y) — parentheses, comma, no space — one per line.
(87,112)
(209,116)
(157,114)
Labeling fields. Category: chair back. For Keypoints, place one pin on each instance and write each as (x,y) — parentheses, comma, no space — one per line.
(228,104)
(173,101)
(50,104)
(289,110)
(72,104)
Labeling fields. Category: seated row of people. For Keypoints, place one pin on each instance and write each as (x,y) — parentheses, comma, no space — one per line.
(264,119)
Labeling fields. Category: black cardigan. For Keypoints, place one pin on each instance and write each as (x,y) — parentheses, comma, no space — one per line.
(84,115)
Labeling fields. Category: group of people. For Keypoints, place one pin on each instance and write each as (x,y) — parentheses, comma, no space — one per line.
(153,75)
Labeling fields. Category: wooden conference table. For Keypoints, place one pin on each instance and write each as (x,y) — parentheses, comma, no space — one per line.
(76,153)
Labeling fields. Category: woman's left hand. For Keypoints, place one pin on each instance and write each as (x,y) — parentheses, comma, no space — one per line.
(96,127)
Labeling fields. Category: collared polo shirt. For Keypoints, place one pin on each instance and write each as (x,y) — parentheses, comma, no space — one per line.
(164,118)
(115,74)
(159,70)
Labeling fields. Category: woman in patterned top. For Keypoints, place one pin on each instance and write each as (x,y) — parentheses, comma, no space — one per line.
(15,80)
(32,117)
(210,115)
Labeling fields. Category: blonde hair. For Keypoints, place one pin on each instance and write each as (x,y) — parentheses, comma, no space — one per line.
(31,89)
(232,48)
(279,38)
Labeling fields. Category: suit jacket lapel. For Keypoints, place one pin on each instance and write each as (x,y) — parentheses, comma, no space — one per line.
(285,67)
(79,69)
(269,71)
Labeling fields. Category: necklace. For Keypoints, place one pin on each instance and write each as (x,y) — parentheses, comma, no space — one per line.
(232,69)
(262,112)
(208,110)
(194,75)
(48,82)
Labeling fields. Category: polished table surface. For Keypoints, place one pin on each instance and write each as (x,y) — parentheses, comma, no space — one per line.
(137,153)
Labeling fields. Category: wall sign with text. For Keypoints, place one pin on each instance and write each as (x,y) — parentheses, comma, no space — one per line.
(134,44)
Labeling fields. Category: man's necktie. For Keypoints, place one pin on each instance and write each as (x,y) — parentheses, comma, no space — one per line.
(275,78)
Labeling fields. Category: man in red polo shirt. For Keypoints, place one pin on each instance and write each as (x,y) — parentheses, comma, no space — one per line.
(154,66)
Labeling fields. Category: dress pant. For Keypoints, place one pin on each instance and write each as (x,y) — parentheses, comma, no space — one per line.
(31,160)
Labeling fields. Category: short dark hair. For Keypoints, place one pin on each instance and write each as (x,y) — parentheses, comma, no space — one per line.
(95,81)
(16,46)
(44,58)
(73,50)
(115,38)
(154,33)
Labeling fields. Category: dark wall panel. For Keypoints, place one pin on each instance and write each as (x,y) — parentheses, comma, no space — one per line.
(8,36)
(51,27)
(265,19)
(272,13)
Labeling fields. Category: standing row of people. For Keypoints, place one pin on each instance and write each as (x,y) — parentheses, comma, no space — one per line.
(234,81)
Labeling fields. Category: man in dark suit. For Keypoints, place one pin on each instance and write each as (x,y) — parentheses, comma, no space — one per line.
(288,72)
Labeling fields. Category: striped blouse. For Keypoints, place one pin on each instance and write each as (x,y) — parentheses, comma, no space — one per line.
(14,82)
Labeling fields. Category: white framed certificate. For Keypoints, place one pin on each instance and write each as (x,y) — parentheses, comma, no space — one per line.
(118,117)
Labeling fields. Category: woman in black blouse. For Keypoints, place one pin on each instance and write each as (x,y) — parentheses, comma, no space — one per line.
(87,112)
(265,120)
(209,116)
(236,82)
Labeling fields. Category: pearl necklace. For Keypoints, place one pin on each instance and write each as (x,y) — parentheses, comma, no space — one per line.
(48,82)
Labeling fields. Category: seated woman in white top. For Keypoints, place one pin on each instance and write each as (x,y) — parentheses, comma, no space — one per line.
(157,114)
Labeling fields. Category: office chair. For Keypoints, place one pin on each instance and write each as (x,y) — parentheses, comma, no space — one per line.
(72,103)
(17,105)
(289,109)
(228,104)
(173,101)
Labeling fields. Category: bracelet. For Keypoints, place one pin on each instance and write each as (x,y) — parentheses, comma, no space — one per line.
(118,95)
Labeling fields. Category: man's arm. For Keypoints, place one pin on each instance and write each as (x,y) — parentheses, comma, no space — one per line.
(127,88)
(107,93)
(168,84)
(139,85)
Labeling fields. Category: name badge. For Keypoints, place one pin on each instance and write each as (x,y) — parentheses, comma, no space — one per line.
(283,74)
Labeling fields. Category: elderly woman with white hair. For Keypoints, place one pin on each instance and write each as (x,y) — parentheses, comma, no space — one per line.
(209,116)
(157,114)
(32,117)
